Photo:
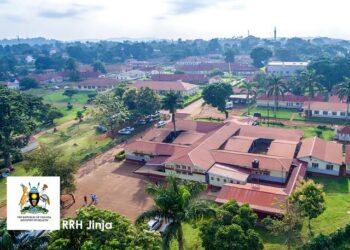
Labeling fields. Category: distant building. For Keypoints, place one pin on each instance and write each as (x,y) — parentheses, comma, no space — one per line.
(343,134)
(190,78)
(206,68)
(11,85)
(161,87)
(49,77)
(243,59)
(326,109)
(285,68)
(322,157)
(97,84)
(131,75)
(347,159)
(288,101)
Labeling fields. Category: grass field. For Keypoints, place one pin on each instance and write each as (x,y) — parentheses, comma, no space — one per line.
(192,239)
(68,115)
(309,131)
(284,114)
(57,96)
(77,141)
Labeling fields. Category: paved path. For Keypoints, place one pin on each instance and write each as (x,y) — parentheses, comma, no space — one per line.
(194,108)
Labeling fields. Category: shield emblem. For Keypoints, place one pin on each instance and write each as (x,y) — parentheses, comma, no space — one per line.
(34,198)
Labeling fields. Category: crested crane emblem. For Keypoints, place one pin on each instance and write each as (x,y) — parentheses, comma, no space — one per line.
(34,200)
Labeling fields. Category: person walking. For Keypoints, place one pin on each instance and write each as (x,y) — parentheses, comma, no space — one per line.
(92,198)
(85,200)
(95,197)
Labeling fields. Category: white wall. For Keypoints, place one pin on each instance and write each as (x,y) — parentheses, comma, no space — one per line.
(329,114)
(219,180)
(321,166)
(281,104)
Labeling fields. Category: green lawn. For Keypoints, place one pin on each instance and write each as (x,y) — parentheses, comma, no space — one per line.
(309,131)
(19,171)
(57,96)
(68,115)
(284,114)
(192,239)
(78,141)
(190,99)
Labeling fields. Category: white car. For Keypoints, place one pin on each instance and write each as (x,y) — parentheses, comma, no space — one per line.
(160,124)
(124,132)
(131,129)
(165,226)
(154,224)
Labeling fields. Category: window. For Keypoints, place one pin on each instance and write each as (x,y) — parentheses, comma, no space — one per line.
(316,112)
(342,113)
(184,167)
(189,168)
(325,112)
(224,180)
(231,181)
(334,113)
(314,165)
(212,178)
(218,179)
(177,166)
(329,167)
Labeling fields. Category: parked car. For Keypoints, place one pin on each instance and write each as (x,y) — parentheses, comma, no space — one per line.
(229,105)
(257,114)
(141,122)
(130,128)
(160,124)
(154,224)
(124,132)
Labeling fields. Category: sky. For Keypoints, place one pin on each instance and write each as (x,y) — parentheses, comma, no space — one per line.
(171,19)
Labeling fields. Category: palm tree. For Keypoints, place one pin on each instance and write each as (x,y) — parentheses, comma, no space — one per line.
(276,87)
(171,101)
(176,203)
(250,89)
(310,83)
(343,91)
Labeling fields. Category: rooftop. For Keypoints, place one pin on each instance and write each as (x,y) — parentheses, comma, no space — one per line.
(165,85)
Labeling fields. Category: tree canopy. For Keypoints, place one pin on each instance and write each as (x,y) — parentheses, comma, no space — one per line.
(216,94)
(231,228)
(122,236)
(20,114)
(260,56)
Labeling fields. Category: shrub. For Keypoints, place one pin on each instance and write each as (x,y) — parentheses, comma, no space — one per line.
(120,156)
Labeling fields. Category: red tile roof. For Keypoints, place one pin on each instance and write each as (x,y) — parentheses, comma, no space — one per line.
(165,85)
(289,98)
(271,133)
(222,66)
(323,150)
(344,130)
(191,78)
(103,82)
(326,106)
(262,198)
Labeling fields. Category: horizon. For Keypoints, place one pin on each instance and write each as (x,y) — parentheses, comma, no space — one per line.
(71,20)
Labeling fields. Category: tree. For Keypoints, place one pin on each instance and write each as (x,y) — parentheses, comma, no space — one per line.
(231,228)
(123,235)
(289,225)
(310,82)
(260,56)
(111,111)
(310,197)
(19,116)
(98,66)
(229,55)
(249,88)
(70,93)
(47,161)
(72,68)
(172,101)
(52,113)
(11,240)
(343,91)
(28,83)
(176,202)
(276,87)
(130,98)
(216,94)
(148,102)
(80,116)
(216,72)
